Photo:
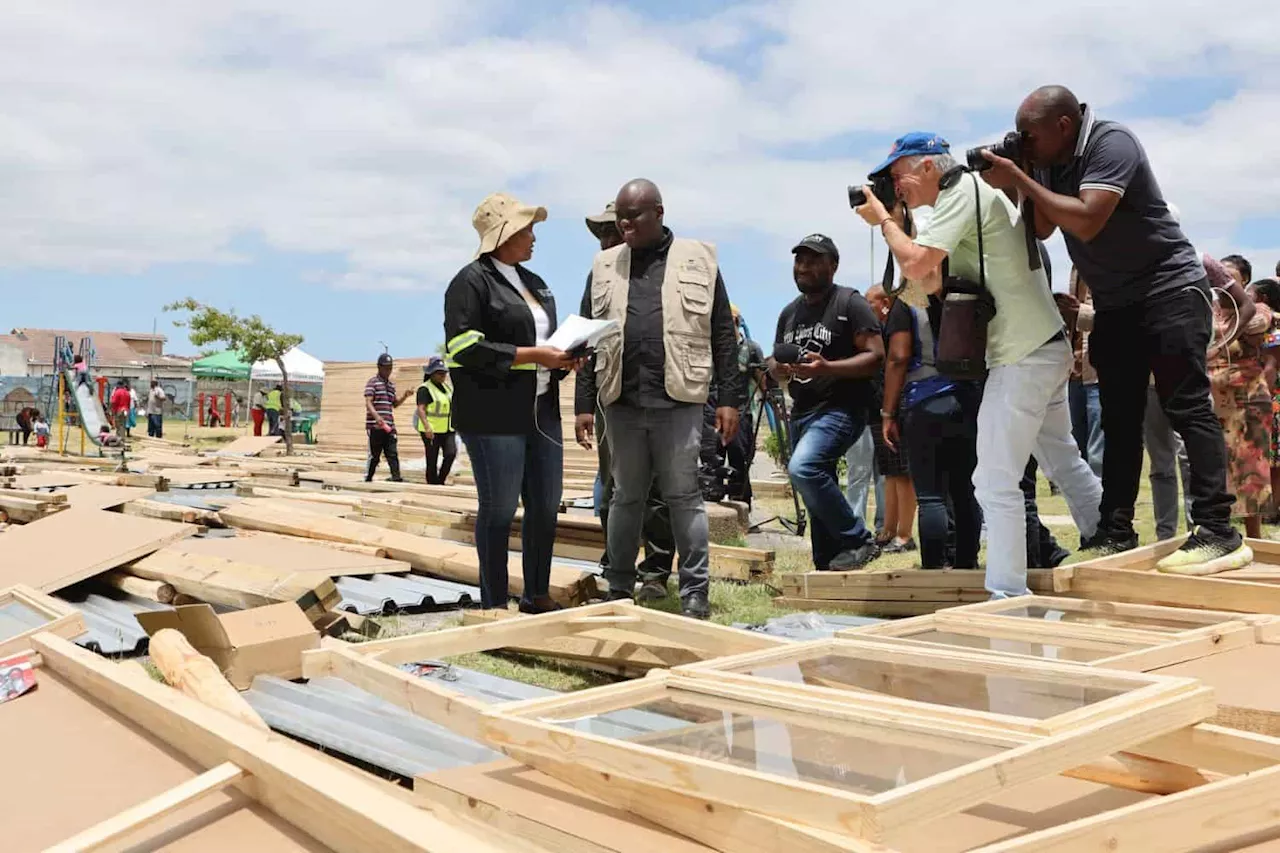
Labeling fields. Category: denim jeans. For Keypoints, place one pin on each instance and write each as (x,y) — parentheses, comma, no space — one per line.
(861,472)
(1086,422)
(1168,461)
(509,469)
(942,443)
(661,444)
(1024,411)
(155,426)
(659,542)
(818,440)
(1165,335)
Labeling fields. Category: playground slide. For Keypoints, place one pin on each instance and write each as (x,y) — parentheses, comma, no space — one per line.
(89,407)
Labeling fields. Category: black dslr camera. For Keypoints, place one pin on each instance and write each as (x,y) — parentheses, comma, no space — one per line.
(881,187)
(1009,148)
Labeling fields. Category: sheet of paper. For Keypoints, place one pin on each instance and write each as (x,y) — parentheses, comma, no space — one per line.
(576,331)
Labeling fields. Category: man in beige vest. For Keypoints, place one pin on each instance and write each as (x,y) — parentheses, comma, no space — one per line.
(652,380)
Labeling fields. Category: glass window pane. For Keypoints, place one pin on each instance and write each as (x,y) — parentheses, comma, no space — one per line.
(1032,697)
(1015,647)
(863,759)
(1102,617)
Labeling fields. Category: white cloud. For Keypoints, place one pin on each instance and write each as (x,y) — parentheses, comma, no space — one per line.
(135,134)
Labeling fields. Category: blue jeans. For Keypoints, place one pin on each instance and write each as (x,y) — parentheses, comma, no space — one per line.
(508,469)
(818,440)
(861,472)
(1086,422)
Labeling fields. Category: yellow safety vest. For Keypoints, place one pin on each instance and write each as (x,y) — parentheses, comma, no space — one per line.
(273,401)
(439,413)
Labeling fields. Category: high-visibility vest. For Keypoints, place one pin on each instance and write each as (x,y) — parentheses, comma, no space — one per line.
(439,412)
(273,401)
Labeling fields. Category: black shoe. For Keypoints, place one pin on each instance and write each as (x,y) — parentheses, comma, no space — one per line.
(896,547)
(541,604)
(1107,545)
(853,558)
(695,606)
(619,595)
(652,591)
(395,479)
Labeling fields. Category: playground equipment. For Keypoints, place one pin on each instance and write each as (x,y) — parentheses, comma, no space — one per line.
(76,401)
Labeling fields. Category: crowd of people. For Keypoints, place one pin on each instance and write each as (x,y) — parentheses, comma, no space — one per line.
(947,403)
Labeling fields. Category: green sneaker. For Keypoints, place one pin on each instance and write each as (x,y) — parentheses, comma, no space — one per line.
(1206,554)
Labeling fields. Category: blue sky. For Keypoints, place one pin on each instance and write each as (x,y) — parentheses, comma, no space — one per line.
(319,166)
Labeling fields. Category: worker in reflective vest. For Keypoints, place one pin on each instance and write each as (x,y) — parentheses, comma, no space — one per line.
(434,420)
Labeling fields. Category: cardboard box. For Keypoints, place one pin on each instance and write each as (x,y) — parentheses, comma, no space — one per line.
(267,639)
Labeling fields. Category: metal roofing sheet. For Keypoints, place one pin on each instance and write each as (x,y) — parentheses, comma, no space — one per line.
(394,593)
(343,718)
(109,618)
(17,618)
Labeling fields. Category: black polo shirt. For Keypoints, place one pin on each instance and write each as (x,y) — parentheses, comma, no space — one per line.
(1141,251)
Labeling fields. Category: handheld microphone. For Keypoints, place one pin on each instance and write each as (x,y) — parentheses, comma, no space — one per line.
(786,353)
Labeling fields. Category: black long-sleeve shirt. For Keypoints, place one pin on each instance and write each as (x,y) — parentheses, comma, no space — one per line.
(643,352)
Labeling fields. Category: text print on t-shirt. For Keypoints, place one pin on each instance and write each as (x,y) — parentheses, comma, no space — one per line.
(810,339)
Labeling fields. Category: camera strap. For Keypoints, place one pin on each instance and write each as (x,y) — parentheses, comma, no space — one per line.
(1029,232)
(886,281)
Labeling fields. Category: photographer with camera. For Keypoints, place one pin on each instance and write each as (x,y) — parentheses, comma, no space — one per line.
(977,233)
(827,348)
(1151,297)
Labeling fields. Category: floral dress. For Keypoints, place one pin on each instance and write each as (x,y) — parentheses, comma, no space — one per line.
(1243,403)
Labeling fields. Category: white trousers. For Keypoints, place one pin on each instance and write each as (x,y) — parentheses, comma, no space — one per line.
(1024,412)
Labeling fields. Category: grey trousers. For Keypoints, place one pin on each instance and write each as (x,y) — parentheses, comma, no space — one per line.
(656,443)
(1168,461)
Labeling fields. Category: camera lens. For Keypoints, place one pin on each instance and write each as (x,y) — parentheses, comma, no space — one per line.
(857,197)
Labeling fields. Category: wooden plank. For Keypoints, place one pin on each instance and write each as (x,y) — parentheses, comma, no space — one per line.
(334,806)
(434,556)
(1114,584)
(30,495)
(248,445)
(1203,817)
(862,608)
(217,580)
(104,496)
(25,510)
(172,512)
(71,546)
(293,554)
(1248,695)
(146,813)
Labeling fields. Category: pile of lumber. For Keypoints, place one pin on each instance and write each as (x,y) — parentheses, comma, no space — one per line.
(901,592)
(22,506)
(341,424)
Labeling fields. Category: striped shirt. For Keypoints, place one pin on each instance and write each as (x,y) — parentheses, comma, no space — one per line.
(383,392)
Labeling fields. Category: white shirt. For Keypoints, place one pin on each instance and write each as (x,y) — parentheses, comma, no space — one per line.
(541,322)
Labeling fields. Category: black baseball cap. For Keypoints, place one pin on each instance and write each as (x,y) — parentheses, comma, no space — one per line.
(820,243)
(385,358)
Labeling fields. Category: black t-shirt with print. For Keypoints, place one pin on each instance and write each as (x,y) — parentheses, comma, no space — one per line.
(830,329)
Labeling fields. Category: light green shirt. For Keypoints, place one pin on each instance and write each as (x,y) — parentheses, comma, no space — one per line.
(1026,315)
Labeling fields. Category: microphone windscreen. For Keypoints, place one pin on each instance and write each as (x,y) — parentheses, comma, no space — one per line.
(786,353)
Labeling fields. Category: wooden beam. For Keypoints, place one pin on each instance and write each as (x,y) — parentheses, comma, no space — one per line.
(1208,593)
(330,804)
(146,813)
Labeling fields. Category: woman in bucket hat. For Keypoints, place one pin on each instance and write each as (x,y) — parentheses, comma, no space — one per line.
(506,407)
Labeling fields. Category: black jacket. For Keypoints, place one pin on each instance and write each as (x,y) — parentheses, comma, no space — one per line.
(485,319)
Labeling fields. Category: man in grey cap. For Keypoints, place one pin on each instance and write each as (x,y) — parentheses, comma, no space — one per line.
(659,542)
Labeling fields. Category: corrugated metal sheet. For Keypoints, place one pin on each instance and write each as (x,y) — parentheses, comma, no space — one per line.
(386,594)
(109,617)
(343,718)
(340,717)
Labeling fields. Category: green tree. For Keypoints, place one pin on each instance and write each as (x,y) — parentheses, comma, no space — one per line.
(249,336)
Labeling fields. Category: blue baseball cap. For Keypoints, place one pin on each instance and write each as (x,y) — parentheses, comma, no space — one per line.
(434,365)
(914,144)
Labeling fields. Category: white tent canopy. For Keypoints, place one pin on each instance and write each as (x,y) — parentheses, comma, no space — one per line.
(301,366)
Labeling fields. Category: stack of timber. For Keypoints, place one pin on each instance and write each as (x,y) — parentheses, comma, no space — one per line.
(342,412)
(427,555)
(899,592)
(20,506)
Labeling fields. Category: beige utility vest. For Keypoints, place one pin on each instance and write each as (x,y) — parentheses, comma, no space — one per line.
(688,289)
